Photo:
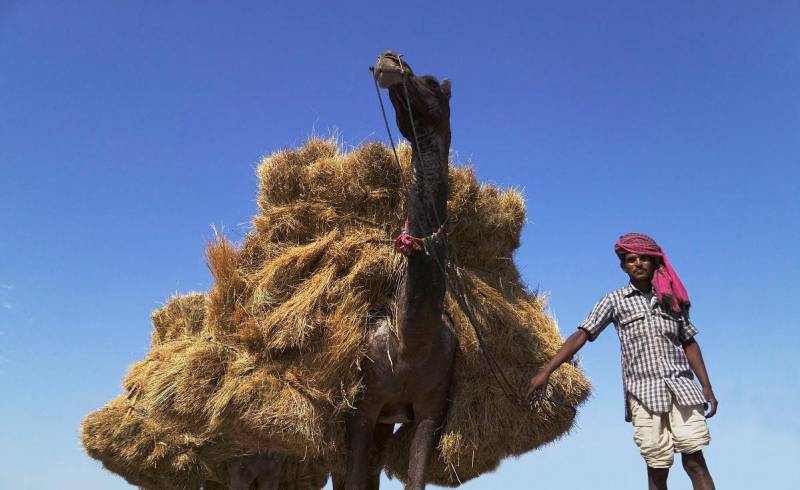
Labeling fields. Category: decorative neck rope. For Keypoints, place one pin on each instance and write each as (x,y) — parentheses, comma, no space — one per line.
(406,244)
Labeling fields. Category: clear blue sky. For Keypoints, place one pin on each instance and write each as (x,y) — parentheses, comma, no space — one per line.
(128,128)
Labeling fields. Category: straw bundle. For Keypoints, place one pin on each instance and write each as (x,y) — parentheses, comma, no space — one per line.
(132,437)
(151,454)
(273,362)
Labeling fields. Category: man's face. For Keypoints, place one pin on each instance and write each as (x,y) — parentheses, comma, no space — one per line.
(639,268)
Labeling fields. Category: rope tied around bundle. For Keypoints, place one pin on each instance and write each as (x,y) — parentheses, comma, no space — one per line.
(406,243)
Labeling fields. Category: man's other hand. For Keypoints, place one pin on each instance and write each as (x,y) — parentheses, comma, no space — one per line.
(712,402)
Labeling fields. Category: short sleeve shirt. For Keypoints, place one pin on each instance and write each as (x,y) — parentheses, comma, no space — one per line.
(654,365)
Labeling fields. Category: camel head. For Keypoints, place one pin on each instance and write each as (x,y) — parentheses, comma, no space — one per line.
(390,68)
(428,98)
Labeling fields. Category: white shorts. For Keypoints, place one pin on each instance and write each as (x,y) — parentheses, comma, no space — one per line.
(660,435)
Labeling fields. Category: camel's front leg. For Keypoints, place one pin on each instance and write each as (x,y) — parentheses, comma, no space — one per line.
(338,481)
(269,476)
(360,429)
(239,474)
(422,444)
(381,436)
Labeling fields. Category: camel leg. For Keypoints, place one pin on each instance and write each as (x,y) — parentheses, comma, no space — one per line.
(212,485)
(420,452)
(423,440)
(360,430)
(270,482)
(381,435)
(269,476)
(239,474)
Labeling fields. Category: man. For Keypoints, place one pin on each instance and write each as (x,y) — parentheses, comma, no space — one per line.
(659,353)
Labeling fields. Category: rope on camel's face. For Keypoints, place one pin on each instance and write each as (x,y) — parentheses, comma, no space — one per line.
(390,69)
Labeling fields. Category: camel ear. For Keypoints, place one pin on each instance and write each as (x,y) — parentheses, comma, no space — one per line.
(445,86)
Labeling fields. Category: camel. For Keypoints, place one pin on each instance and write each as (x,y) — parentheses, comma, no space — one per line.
(407,375)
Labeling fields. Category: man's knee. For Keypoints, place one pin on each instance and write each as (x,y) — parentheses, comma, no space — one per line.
(657,457)
(695,464)
(655,446)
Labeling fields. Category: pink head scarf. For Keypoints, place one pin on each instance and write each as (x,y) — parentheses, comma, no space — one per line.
(667,285)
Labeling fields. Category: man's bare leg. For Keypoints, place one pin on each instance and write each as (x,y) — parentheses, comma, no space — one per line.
(657,478)
(696,468)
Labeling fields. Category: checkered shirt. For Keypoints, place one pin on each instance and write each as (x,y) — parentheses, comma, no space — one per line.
(654,364)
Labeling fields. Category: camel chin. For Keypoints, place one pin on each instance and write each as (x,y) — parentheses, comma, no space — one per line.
(388,69)
(388,78)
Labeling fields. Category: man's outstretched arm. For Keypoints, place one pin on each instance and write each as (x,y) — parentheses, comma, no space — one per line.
(695,357)
(572,345)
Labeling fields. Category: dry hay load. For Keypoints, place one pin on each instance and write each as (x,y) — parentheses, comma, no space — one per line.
(320,263)
(130,438)
(274,361)
(156,456)
(147,453)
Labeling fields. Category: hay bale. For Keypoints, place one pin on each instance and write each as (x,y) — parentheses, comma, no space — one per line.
(276,362)
(148,453)
(154,436)
(483,424)
(329,242)
(183,316)
(151,454)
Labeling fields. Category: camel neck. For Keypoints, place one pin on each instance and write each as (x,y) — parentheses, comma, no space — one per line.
(427,194)
(425,282)
(423,117)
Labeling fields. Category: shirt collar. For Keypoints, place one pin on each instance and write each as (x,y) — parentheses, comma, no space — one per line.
(630,290)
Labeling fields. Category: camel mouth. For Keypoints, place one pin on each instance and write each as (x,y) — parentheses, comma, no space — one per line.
(390,69)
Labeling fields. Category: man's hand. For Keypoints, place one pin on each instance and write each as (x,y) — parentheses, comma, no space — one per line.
(538,382)
(572,345)
(695,358)
(712,401)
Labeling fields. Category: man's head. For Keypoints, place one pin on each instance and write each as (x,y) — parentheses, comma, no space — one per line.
(645,263)
(639,256)
(637,243)
(640,268)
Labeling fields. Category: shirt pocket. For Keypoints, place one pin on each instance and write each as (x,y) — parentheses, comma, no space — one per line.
(670,325)
(633,337)
(631,324)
